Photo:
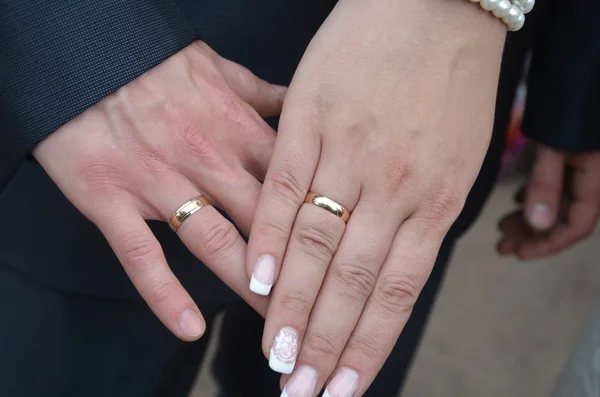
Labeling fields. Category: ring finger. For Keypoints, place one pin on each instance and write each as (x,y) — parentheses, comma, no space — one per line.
(212,239)
(237,195)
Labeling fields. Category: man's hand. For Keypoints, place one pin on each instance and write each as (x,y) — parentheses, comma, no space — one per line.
(561,205)
(390,115)
(190,126)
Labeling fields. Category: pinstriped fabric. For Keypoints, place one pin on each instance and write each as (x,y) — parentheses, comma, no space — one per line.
(59,57)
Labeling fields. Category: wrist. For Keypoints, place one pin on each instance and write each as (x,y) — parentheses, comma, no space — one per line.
(440,20)
(511,12)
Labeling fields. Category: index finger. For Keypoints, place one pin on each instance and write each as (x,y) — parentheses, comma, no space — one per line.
(287,182)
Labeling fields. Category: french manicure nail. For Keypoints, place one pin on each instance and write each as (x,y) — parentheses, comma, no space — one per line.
(263,275)
(541,216)
(190,324)
(302,383)
(282,357)
(343,384)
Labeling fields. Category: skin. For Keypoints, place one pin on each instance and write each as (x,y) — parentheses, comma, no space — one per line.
(190,126)
(389,114)
(559,208)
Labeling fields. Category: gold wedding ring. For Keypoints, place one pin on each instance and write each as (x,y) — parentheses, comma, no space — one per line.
(187,210)
(329,205)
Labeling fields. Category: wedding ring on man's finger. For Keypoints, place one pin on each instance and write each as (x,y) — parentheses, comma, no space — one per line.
(187,210)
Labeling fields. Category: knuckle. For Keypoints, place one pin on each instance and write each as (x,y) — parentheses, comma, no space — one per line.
(192,137)
(138,250)
(219,240)
(450,202)
(444,208)
(273,230)
(236,113)
(316,241)
(400,175)
(154,163)
(202,149)
(296,302)
(321,344)
(398,294)
(366,346)
(140,255)
(248,80)
(357,280)
(100,174)
(162,292)
(286,186)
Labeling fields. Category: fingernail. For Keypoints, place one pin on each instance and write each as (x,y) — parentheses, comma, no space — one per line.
(343,384)
(282,357)
(262,275)
(541,216)
(302,383)
(190,324)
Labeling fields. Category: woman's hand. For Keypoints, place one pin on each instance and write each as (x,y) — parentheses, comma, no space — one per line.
(189,126)
(561,205)
(390,115)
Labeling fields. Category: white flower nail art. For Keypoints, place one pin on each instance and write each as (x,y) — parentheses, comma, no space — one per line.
(284,351)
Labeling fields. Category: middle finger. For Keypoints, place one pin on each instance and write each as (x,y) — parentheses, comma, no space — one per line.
(347,286)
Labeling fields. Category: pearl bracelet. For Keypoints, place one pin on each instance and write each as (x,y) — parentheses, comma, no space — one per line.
(511,12)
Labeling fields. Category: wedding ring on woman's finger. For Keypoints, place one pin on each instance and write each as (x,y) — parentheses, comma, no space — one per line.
(187,210)
(329,205)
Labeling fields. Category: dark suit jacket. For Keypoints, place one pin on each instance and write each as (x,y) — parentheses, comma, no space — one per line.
(57,58)
(563,107)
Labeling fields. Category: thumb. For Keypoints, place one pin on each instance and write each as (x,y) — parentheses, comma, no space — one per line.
(544,190)
(265,98)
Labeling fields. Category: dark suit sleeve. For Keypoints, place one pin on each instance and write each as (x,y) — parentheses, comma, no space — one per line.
(59,57)
(563,107)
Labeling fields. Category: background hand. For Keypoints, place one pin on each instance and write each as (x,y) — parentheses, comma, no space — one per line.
(190,126)
(561,205)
